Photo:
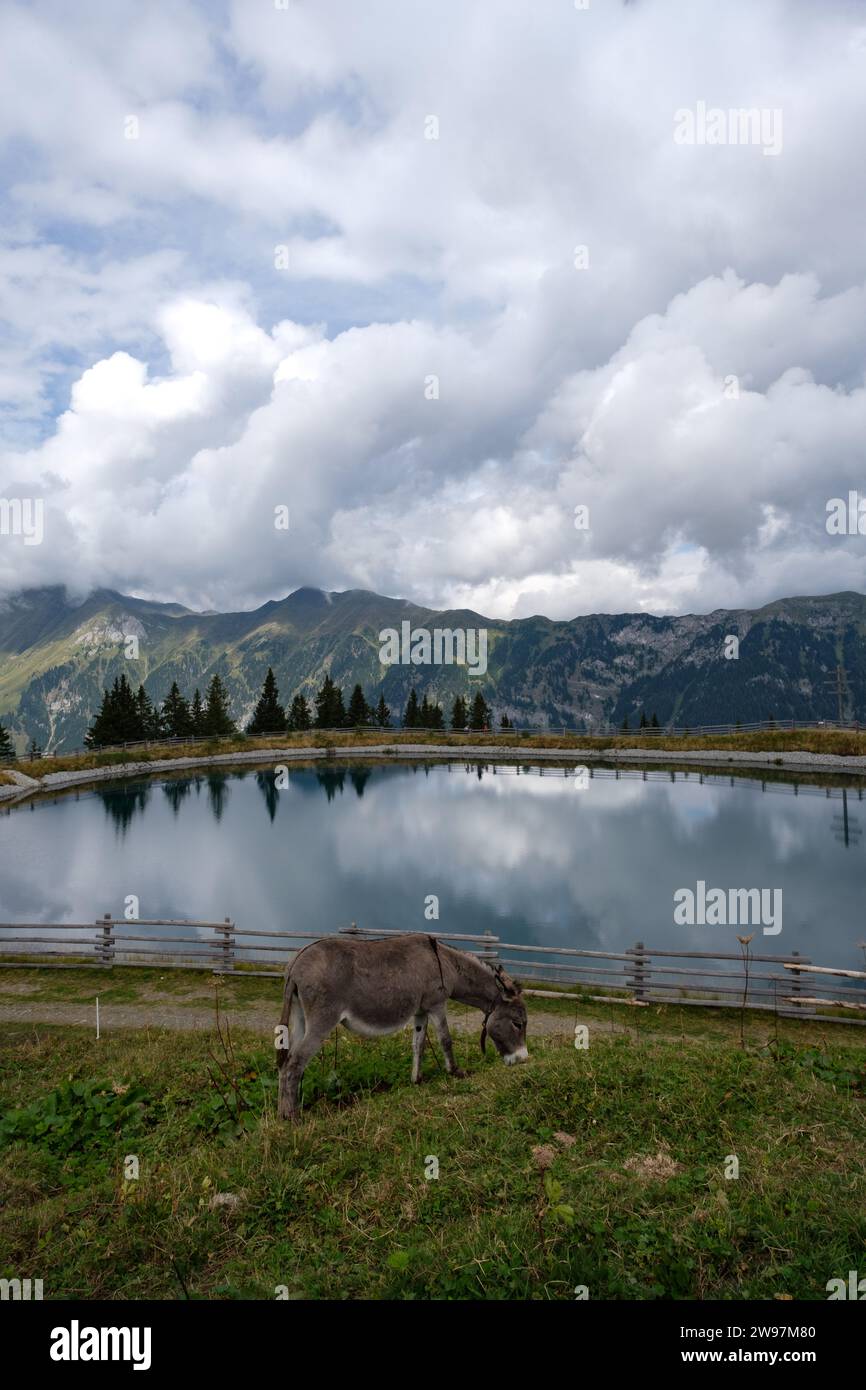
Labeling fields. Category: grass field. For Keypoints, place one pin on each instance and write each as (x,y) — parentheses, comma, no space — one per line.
(602,1167)
(838,742)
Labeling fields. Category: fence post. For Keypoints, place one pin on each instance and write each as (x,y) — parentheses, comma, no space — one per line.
(228,944)
(105,947)
(640,971)
(490,949)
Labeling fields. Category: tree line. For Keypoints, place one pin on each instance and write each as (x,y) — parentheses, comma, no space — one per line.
(130,716)
(330,711)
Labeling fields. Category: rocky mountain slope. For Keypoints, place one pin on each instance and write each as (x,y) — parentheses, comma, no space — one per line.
(56,656)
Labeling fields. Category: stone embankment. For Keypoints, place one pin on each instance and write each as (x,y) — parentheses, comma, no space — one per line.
(24,786)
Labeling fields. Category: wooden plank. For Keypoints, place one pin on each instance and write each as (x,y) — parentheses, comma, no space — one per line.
(825,970)
(831,1003)
(724,955)
(567,951)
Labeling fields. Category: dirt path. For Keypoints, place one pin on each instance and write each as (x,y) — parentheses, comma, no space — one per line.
(254,1018)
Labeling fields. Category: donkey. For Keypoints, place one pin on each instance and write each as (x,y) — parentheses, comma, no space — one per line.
(378,987)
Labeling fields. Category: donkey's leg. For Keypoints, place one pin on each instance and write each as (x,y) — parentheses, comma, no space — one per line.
(302,1053)
(419,1040)
(440,1023)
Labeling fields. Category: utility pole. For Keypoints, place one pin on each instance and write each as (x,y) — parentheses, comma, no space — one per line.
(840,685)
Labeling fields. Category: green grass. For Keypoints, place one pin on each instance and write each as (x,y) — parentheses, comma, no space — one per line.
(339,1205)
(833,741)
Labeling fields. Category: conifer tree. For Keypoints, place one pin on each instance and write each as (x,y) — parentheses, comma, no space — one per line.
(147,715)
(643,720)
(359,710)
(424,713)
(299,715)
(479,717)
(330,711)
(6,749)
(654,722)
(196,715)
(97,734)
(412,713)
(383,714)
(458,713)
(119,719)
(176,717)
(269,716)
(624,725)
(217,722)
(436,717)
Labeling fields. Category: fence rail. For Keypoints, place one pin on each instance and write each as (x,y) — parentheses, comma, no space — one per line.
(638,976)
(522,730)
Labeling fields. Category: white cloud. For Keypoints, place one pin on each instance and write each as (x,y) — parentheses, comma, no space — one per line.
(194,386)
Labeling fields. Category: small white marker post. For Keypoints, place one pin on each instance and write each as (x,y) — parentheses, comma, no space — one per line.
(97,1017)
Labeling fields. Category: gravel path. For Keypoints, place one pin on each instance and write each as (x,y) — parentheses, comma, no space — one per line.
(257,1019)
(799,761)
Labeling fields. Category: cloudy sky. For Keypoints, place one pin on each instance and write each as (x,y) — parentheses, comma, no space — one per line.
(432,276)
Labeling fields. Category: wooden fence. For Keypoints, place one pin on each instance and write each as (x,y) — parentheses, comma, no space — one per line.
(638,977)
(281,738)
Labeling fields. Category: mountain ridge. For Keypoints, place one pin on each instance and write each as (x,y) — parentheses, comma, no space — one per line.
(57,653)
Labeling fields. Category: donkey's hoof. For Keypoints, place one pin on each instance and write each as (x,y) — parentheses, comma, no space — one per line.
(459,1073)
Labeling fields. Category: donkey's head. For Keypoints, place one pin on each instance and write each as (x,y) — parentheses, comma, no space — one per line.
(505,1024)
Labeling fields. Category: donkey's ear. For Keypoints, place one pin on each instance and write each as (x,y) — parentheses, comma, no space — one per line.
(514,989)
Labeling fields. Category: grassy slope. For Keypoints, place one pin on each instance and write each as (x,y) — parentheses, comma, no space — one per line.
(339,1206)
(810,741)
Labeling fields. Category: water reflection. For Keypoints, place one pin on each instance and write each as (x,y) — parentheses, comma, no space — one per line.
(524,852)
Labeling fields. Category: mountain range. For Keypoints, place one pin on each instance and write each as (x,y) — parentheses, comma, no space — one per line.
(57,654)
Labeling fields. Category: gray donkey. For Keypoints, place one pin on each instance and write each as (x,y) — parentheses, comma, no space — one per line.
(378,987)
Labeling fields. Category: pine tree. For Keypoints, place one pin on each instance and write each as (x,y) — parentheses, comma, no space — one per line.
(624,725)
(148,718)
(299,715)
(480,715)
(383,714)
(119,719)
(196,715)
(176,716)
(505,722)
(458,713)
(6,749)
(424,713)
(269,717)
(217,722)
(330,711)
(412,714)
(340,719)
(437,718)
(97,734)
(126,712)
(654,722)
(359,710)
(643,720)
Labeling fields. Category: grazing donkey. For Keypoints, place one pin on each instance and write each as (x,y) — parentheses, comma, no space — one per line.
(377,987)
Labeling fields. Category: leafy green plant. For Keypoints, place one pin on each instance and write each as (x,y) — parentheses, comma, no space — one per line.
(561,1211)
(837,1071)
(77,1116)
